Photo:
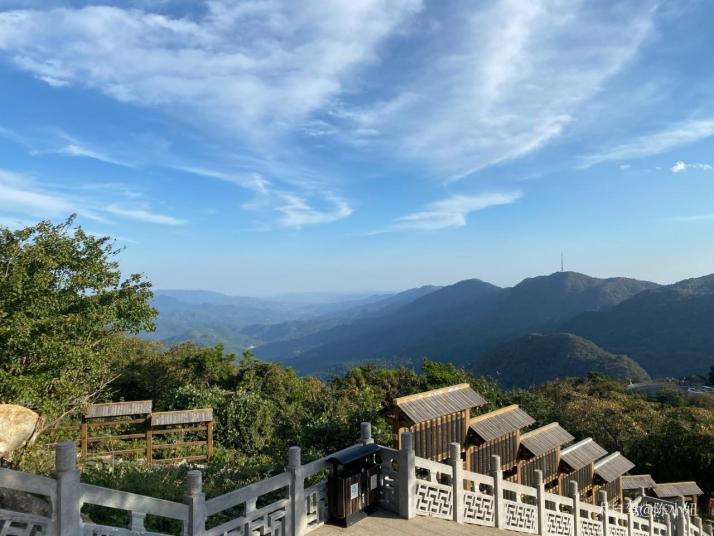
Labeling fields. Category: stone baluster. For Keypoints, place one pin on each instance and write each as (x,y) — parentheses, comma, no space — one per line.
(406,478)
(540,498)
(298,521)
(68,492)
(498,504)
(575,495)
(196,501)
(602,499)
(457,481)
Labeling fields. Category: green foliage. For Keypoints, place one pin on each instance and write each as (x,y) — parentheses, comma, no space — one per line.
(62,301)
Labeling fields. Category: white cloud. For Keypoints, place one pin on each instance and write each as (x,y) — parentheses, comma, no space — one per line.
(681,166)
(297,212)
(248,66)
(512,78)
(142,214)
(685,219)
(22,194)
(451,212)
(671,137)
(625,166)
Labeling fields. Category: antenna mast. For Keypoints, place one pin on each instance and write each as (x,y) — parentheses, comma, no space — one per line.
(561,262)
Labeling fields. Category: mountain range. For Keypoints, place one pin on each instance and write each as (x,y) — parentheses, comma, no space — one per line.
(625,327)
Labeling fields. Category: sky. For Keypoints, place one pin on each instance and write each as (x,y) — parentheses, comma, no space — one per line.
(268,146)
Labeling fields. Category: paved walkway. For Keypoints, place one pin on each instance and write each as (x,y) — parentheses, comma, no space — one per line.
(387,524)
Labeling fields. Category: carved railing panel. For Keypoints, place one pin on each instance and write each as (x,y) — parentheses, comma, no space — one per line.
(435,500)
(90,529)
(589,527)
(316,511)
(478,508)
(19,524)
(558,523)
(520,517)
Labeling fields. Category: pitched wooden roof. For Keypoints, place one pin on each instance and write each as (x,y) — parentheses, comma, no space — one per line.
(500,422)
(675,489)
(582,453)
(612,466)
(638,481)
(439,402)
(545,438)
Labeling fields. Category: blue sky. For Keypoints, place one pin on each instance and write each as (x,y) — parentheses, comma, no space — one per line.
(273,146)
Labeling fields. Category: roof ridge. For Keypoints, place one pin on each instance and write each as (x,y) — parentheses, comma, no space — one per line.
(577,445)
(540,430)
(606,459)
(494,413)
(427,394)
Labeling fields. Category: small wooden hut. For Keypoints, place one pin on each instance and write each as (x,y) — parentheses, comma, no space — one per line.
(577,462)
(496,432)
(671,491)
(540,449)
(436,418)
(608,476)
(632,485)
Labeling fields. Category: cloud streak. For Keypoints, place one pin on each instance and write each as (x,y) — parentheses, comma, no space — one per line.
(22,194)
(672,137)
(451,212)
(680,167)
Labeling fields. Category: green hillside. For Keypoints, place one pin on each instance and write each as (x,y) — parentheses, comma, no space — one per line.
(536,358)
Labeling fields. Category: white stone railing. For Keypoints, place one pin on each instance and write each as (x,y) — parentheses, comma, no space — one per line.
(278,506)
(447,491)
(295,502)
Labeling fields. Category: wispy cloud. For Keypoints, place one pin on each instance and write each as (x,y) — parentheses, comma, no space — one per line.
(681,166)
(511,81)
(142,214)
(22,194)
(685,219)
(297,212)
(672,137)
(450,212)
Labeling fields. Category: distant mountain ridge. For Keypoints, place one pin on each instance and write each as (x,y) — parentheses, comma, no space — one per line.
(536,358)
(664,329)
(457,322)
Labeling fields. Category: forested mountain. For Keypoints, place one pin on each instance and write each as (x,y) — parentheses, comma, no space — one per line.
(536,358)
(669,331)
(457,322)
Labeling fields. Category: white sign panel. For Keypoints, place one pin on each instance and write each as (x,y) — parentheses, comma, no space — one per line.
(354,491)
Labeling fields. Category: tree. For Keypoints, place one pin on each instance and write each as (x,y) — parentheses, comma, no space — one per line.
(63,303)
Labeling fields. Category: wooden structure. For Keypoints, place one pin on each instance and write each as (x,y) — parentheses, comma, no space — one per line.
(122,427)
(540,450)
(577,462)
(673,490)
(131,429)
(496,432)
(195,422)
(435,418)
(634,485)
(608,476)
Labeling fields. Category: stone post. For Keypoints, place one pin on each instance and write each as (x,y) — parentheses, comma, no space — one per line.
(297,493)
(67,505)
(650,519)
(540,498)
(630,514)
(698,523)
(681,517)
(365,433)
(602,499)
(136,521)
(406,477)
(457,481)
(668,523)
(498,505)
(196,501)
(575,495)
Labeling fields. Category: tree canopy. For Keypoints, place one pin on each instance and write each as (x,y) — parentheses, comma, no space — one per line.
(63,301)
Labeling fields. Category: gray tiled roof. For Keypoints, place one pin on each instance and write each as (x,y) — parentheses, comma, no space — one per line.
(675,489)
(638,481)
(500,422)
(582,453)
(612,466)
(439,402)
(546,438)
